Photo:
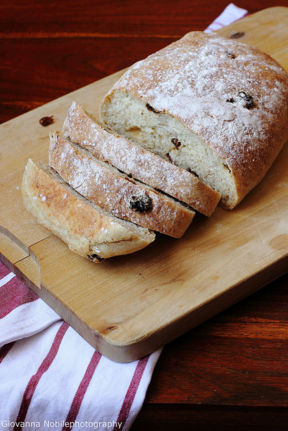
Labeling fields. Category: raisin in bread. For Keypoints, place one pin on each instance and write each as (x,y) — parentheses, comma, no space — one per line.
(208,104)
(141,164)
(83,226)
(118,194)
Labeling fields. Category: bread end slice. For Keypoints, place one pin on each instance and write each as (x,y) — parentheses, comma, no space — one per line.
(86,228)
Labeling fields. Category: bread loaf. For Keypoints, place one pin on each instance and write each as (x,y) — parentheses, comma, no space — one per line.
(208,104)
(83,226)
(118,194)
(142,164)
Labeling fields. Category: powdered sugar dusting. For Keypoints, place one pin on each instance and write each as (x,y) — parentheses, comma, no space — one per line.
(198,80)
(111,190)
(140,163)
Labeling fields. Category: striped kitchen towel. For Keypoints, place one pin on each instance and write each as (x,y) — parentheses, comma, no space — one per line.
(50,377)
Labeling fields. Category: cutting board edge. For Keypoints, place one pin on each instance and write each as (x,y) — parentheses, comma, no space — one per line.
(142,346)
(250,284)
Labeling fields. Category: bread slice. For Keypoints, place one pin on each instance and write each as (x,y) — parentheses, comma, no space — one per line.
(83,226)
(142,164)
(209,104)
(118,194)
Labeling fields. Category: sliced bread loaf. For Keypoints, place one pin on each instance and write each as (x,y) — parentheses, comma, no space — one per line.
(142,164)
(209,104)
(118,194)
(83,226)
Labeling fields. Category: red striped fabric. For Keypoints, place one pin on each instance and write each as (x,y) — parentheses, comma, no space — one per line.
(5,350)
(13,294)
(131,392)
(3,270)
(78,398)
(31,387)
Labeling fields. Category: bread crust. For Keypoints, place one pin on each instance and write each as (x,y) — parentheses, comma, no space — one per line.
(115,192)
(142,164)
(85,228)
(233,96)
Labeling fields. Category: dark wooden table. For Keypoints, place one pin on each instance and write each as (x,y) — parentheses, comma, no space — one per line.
(230,373)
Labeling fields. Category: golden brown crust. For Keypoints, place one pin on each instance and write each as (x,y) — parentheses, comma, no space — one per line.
(142,164)
(86,229)
(115,192)
(233,96)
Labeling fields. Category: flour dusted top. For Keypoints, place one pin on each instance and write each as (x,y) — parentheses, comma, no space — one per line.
(141,164)
(231,95)
(117,194)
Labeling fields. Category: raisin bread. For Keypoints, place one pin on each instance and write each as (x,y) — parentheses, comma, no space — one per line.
(83,226)
(118,194)
(142,164)
(209,104)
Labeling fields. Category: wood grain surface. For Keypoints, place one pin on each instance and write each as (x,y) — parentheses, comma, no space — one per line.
(131,305)
(230,373)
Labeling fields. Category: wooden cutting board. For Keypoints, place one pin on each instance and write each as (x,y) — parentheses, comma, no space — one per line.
(131,305)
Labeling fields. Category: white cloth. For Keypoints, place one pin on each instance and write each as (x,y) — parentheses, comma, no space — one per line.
(50,377)
(230,14)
